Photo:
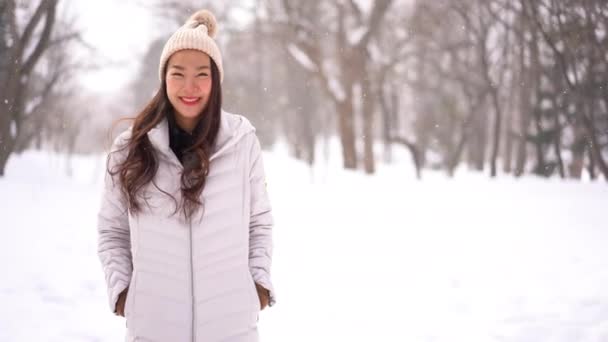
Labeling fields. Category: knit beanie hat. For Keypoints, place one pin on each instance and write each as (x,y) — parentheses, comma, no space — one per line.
(197,34)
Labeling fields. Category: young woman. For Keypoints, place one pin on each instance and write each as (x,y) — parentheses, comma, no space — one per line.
(185,223)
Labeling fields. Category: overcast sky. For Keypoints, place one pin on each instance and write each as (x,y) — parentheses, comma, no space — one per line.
(121,31)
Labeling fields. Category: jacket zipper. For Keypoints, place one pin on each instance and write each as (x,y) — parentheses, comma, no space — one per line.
(177,163)
(193,296)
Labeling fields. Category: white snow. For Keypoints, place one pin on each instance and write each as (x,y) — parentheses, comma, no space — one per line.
(301,57)
(356,258)
(13,129)
(364,5)
(376,54)
(354,36)
(336,88)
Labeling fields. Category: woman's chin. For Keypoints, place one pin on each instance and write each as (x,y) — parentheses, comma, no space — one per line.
(189,113)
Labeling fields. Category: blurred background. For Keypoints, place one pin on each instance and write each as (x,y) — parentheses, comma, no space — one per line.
(437,168)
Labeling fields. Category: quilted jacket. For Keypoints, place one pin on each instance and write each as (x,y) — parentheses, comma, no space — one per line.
(191,281)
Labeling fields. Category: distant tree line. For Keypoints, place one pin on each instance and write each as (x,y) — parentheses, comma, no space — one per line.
(509,86)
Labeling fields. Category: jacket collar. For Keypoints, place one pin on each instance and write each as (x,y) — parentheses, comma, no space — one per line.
(232,129)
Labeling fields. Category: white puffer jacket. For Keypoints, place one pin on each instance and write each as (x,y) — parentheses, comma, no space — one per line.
(191,282)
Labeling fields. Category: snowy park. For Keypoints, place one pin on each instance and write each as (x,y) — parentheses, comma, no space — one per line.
(357,258)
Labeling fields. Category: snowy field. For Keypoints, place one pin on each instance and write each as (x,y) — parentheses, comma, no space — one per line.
(357,258)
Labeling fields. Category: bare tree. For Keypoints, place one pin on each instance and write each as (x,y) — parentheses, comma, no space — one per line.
(539,67)
(35,69)
(568,23)
(341,64)
(23,50)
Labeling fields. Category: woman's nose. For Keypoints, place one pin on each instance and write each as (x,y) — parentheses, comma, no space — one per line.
(191,85)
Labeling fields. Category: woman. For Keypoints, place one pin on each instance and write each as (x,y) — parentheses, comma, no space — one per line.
(185,223)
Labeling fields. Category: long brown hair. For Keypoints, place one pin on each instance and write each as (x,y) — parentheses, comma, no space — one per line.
(141,163)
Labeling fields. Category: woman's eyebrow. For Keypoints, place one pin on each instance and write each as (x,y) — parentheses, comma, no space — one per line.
(179,67)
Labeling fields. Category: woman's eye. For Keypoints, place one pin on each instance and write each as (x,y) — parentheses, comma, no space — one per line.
(177,74)
(203,74)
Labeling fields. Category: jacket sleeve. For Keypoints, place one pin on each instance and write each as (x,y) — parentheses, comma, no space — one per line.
(260,224)
(114,241)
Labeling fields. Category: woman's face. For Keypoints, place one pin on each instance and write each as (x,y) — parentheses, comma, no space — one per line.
(188,78)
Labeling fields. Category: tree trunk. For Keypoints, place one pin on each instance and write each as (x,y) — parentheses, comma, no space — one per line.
(386,126)
(7,108)
(508,127)
(496,131)
(394,112)
(308,135)
(575,169)
(526,80)
(591,165)
(541,166)
(557,142)
(522,143)
(476,145)
(387,119)
(509,141)
(454,157)
(347,133)
(595,146)
(4,155)
(535,101)
(368,125)
(346,124)
(497,125)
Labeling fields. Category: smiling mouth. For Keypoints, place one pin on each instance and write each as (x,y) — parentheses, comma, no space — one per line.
(190,100)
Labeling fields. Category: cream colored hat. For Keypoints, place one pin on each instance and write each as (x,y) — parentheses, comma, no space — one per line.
(197,34)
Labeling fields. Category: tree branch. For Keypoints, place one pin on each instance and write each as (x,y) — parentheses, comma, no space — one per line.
(32,23)
(380,8)
(43,42)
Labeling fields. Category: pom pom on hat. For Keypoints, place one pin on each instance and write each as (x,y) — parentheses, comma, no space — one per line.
(204,17)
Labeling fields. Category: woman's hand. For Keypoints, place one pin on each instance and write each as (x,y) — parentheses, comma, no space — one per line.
(263,295)
(120,303)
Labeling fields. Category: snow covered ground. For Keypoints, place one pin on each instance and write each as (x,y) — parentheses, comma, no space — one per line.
(357,258)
